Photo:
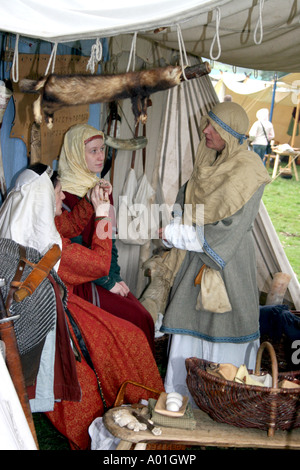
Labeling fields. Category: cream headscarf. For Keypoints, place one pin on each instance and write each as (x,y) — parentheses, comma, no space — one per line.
(27,214)
(224,184)
(75,177)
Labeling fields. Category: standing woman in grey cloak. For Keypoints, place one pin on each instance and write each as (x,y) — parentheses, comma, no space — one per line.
(213,309)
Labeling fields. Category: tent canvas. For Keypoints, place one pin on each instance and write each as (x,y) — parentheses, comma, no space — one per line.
(259,34)
(256,94)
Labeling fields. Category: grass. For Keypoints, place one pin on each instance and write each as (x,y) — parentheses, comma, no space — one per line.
(282,200)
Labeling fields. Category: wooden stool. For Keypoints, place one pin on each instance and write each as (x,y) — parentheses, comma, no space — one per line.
(291,164)
(207,433)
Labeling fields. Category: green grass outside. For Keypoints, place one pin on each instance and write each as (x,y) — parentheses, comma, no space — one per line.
(282,200)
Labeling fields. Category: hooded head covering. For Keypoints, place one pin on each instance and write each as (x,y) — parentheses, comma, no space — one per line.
(27,214)
(75,177)
(224,183)
(263,114)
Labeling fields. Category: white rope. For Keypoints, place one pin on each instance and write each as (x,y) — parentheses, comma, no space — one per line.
(259,24)
(15,63)
(216,37)
(182,48)
(96,56)
(52,59)
(132,53)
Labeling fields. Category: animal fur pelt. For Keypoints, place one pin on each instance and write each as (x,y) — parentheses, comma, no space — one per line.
(58,91)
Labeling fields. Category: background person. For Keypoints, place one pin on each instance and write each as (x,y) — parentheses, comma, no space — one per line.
(261,133)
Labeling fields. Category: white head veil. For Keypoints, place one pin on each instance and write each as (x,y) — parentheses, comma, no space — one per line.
(27,214)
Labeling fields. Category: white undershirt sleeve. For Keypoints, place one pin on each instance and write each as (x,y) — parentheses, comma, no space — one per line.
(182,236)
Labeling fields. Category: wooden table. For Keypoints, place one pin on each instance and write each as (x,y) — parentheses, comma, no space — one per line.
(207,433)
(291,164)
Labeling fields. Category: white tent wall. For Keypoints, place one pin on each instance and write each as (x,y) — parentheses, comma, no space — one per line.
(271,258)
(15,433)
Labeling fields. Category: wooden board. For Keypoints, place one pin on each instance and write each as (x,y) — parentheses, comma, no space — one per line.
(207,433)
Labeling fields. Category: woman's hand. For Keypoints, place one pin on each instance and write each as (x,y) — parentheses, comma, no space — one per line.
(105,185)
(120,288)
(161,233)
(100,200)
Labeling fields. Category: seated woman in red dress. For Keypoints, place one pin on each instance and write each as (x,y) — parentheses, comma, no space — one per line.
(81,158)
(117,350)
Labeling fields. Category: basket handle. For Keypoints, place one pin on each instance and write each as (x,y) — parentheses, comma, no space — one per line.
(120,397)
(274,364)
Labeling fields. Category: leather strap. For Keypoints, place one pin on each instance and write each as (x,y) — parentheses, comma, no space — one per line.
(39,272)
(199,275)
(17,278)
(86,354)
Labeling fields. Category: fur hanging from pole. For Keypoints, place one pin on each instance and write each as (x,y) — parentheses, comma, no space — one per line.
(58,91)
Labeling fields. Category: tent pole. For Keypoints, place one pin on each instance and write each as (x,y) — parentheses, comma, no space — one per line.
(273,97)
(295,122)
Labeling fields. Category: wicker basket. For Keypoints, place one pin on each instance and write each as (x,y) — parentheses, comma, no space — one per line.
(246,406)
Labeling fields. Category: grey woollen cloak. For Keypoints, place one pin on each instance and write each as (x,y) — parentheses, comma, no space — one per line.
(229,248)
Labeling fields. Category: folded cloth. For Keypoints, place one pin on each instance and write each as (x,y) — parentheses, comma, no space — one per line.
(186,421)
(244,377)
(224,371)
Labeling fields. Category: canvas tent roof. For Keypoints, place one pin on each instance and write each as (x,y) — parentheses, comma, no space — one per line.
(259,34)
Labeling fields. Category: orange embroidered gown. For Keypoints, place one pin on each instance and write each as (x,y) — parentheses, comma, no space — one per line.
(118,349)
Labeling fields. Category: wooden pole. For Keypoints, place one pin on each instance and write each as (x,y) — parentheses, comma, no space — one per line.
(295,122)
(13,361)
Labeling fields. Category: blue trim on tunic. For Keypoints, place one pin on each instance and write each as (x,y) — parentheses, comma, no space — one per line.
(219,339)
(207,249)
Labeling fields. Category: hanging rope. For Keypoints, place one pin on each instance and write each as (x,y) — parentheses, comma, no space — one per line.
(96,56)
(182,48)
(259,24)
(132,53)
(216,37)
(15,63)
(52,59)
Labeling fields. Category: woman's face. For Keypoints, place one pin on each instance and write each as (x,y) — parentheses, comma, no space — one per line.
(213,139)
(59,197)
(95,154)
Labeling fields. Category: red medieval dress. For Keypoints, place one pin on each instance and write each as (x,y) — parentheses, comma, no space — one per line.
(128,308)
(118,349)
